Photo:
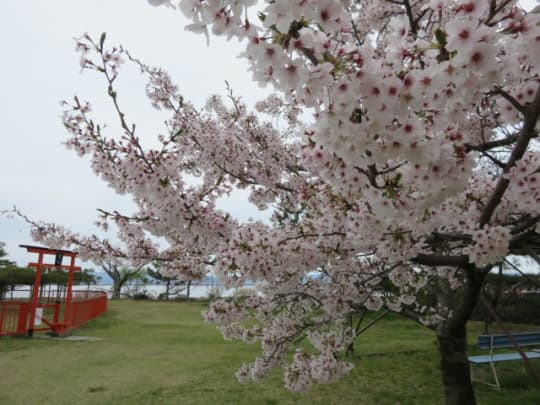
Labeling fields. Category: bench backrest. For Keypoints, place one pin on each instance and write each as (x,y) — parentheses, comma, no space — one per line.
(501,340)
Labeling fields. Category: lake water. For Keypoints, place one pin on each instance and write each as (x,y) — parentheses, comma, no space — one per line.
(153,291)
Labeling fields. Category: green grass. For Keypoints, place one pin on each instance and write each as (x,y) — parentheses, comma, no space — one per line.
(163,353)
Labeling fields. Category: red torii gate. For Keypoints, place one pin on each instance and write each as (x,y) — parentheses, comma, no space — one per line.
(20,317)
(56,326)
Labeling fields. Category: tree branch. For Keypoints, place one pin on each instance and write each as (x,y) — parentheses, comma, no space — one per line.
(525,276)
(412,21)
(510,99)
(442,260)
(493,144)
(526,134)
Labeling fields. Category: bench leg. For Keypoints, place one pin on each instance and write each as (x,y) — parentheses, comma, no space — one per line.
(484,380)
(495,375)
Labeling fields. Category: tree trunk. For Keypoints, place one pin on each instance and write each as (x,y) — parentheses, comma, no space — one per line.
(188,289)
(116,289)
(456,376)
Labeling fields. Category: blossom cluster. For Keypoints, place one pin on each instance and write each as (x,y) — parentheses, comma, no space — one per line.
(490,245)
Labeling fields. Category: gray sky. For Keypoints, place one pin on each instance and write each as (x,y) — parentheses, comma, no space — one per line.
(40,67)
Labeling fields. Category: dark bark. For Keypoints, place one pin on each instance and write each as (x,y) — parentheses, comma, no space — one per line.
(167,289)
(442,260)
(456,377)
(119,280)
(117,288)
(452,342)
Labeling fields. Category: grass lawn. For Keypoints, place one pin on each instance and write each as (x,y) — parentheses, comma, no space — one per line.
(163,353)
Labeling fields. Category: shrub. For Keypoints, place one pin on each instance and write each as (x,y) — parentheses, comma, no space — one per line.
(141,295)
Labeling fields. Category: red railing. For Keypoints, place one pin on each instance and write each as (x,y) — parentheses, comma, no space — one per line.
(13,318)
(84,306)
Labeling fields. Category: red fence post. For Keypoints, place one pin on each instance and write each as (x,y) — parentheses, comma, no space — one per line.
(23,318)
(69,294)
(35,295)
(2,315)
(56,315)
(92,306)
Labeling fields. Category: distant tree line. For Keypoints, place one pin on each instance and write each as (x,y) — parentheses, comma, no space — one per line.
(514,297)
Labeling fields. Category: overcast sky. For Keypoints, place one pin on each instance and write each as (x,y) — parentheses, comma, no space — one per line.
(40,67)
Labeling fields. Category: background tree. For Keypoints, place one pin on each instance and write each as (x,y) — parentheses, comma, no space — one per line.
(87,277)
(121,276)
(173,285)
(420,166)
(3,261)
(11,275)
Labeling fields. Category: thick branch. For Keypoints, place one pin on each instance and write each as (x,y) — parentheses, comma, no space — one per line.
(527,132)
(494,144)
(510,99)
(527,223)
(412,21)
(310,235)
(442,260)
(494,10)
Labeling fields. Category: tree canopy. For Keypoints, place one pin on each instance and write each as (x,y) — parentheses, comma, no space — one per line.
(419,167)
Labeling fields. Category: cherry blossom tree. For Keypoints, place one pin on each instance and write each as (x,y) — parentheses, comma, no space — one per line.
(417,165)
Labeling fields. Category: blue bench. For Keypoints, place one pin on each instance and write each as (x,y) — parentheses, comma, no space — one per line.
(501,341)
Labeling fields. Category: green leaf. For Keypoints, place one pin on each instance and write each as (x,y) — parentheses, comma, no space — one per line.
(440,35)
